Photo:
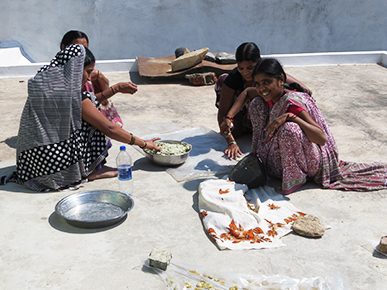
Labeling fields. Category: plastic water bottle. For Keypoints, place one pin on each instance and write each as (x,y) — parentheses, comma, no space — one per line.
(124,166)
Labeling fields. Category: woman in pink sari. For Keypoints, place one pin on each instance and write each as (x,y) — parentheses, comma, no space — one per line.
(294,142)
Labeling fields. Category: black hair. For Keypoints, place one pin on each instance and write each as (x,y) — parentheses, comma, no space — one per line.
(273,68)
(72,35)
(270,67)
(248,51)
(89,57)
(294,87)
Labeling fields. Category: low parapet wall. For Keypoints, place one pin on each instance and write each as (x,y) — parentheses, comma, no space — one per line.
(128,29)
(301,59)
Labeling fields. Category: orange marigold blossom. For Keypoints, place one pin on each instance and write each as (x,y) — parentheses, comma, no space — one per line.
(232,225)
(238,234)
(272,233)
(250,234)
(273,206)
(294,217)
(258,230)
(224,191)
(211,232)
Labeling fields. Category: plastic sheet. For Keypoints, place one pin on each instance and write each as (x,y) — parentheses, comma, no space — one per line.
(374,245)
(207,157)
(187,277)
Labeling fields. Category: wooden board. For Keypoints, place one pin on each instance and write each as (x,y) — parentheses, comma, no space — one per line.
(160,67)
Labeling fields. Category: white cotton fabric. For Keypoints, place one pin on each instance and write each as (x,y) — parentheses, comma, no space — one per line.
(218,210)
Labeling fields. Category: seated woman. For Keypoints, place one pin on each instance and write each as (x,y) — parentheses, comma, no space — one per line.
(294,142)
(98,83)
(62,134)
(230,86)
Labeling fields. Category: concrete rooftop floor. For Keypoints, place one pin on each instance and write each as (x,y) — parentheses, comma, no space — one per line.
(39,250)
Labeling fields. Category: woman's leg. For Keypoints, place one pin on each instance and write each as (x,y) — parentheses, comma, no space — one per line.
(103,172)
(300,158)
(259,115)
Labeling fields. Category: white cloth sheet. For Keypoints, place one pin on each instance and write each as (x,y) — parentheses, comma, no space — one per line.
(206,158)
(237,218)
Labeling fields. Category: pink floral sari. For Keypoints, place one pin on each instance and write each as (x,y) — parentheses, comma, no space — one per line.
(106,107)
(289,154)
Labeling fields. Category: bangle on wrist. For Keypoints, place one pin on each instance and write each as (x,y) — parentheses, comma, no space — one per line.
(113,90)
(144,145)
(230,118)
(132,139)
(290,116)
(103,97)
(231,143)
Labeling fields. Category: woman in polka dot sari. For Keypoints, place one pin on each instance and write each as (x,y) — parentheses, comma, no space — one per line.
(61,140)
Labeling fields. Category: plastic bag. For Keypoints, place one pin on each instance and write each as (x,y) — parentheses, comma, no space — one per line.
(189,277)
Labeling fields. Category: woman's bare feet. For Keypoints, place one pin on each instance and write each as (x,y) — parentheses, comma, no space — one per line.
(104,172)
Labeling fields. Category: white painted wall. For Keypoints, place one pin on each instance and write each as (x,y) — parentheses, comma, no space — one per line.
(124,29)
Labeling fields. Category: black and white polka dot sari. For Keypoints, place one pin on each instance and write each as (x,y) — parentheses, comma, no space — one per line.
(56,148)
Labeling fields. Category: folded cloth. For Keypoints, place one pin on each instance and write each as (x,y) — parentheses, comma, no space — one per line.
(237,218)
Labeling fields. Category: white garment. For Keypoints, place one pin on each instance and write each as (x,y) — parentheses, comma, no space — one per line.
(222,202)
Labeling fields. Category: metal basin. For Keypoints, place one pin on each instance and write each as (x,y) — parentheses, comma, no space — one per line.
(94,209)
(168,160)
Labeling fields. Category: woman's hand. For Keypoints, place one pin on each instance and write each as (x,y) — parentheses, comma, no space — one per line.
(313,132)
(150,144)
(233,151)
(273,125)
(125,88)
(225,127)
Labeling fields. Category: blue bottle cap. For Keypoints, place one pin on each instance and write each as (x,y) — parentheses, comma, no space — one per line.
(122,148)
